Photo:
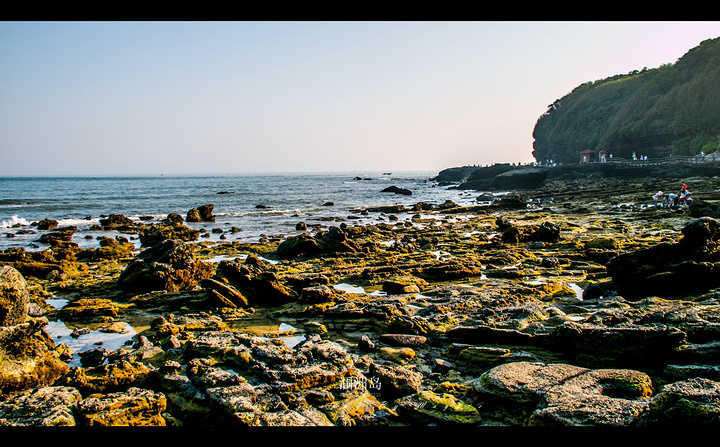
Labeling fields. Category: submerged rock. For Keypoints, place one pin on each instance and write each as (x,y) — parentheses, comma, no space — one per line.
(397,190)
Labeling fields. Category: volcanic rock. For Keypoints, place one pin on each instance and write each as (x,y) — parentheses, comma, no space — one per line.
(334,240)
(170,265)
(201,214)
(51,406)
(118,222)
(692,265)
(14,297)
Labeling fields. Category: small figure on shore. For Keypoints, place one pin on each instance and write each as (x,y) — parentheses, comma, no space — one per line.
(685,198)
(671,200)
(658,196)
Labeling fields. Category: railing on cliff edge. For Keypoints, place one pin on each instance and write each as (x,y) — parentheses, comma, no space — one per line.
(673,159)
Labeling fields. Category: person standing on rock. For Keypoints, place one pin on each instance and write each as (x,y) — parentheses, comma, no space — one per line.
(658,196)
(685,196)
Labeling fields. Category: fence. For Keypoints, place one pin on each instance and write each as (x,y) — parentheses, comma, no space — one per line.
(671,160)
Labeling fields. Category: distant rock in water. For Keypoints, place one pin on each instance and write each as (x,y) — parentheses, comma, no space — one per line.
(201,214)
(505,177)
(396,190)
(47,224)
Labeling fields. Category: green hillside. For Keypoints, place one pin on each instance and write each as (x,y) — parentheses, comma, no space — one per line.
(673,109)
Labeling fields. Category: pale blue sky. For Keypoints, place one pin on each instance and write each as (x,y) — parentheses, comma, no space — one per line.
(113,98)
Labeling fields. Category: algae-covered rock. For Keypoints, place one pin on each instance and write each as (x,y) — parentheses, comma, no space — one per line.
(118,222)
(403,284)
(255,281)
(334,240)
(430,407)
(155,234)
(134,407)
(395,381)
(91,307)
(28,357)
(111,377)
(170,265)
(398,355)
(14,297)
(690,403)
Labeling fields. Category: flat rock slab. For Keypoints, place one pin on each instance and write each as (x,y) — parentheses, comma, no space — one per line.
(40,407)
(403,340)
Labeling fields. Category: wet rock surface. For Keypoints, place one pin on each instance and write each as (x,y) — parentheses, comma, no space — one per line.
(550,308)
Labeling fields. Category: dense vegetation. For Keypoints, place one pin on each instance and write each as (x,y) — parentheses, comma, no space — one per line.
(671,109)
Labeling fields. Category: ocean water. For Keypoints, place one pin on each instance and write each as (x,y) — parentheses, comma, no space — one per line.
(285,200)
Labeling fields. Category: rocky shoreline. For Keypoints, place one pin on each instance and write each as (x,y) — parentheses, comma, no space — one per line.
(576,303)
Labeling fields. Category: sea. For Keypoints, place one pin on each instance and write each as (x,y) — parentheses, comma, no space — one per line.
(256,205)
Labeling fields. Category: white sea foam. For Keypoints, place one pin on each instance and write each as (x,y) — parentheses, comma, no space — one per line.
(15,220)
(73,222)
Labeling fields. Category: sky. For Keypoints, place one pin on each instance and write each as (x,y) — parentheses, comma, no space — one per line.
(147,98)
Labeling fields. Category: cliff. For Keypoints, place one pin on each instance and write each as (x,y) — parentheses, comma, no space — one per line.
(673,109)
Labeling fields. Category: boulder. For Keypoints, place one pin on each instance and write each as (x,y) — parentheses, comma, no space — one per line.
(173,219)
(201,214)
(394,381)
(428,407)
(47,224)
(544,232)
(14,297)
(254,281)
(604,397)
(690,266)
(403,340)
(118,222)
(158,233)
(170,265)
(193,215)
(29,356)
(639,344)
(226,295)
(403,284)
(334,240)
